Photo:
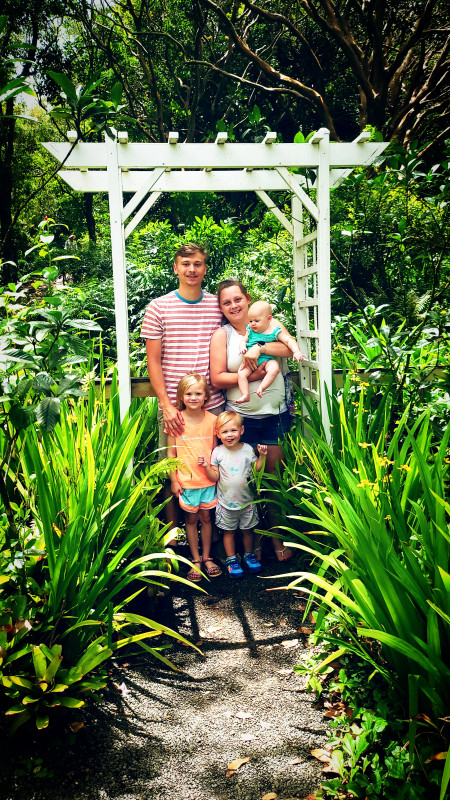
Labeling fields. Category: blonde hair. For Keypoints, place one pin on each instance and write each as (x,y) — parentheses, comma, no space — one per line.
(228,416)
(186,382)
(261,307)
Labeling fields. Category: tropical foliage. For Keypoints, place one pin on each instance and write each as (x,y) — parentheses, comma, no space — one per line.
(368,510)
(80,536)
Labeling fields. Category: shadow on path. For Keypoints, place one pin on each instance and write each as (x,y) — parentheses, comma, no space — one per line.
(164,735)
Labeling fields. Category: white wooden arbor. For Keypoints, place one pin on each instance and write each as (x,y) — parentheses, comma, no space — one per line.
(148,170)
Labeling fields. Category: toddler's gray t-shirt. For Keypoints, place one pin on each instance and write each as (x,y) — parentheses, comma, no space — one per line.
(235,469)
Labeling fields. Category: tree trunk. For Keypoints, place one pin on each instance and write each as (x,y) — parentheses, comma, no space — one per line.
(88,199)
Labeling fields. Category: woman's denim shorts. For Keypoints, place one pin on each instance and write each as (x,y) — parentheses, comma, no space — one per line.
(266,430)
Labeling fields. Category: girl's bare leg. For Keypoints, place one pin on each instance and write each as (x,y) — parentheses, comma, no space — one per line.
(243,375)
(272,370)
(192,534)
(205,531)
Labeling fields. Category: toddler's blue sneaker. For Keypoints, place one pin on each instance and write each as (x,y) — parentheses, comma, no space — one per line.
(252,563)
(234,568)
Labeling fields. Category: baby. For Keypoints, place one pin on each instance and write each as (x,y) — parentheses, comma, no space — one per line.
(261,329)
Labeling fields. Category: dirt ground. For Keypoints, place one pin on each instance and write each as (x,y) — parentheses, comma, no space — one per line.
(164,735)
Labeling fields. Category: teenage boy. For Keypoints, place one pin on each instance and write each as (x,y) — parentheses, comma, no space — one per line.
(177,328)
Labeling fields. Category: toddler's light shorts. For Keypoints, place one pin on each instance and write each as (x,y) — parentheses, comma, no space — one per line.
(193,499)
(228,519)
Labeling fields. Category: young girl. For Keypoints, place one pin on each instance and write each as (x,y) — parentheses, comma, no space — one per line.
(195,491)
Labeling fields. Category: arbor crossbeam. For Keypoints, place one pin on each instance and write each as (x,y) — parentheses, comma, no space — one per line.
(119,166)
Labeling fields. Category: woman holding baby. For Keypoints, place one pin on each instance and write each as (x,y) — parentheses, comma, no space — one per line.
(266,417)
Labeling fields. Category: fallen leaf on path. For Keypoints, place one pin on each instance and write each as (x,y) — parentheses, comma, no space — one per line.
(270,796)
(295,761)
(310,797)
(290,643)
(331,767)
(233,766)
(283,623)
(304,630)
(76,726)
(243,715)
(334,710)
(321,754)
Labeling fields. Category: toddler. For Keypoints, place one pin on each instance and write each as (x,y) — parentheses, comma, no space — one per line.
(190,483)
(263,328)
(231,464)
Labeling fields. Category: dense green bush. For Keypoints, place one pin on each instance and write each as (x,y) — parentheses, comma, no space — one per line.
(413,361)
(389,238)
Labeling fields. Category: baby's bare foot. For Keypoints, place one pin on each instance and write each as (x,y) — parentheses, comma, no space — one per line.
(244,399)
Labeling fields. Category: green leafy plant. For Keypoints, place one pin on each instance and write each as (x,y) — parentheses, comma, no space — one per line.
(66,606)
(84,108)
(40,342)
(376,503)
(388,517)
(366,755)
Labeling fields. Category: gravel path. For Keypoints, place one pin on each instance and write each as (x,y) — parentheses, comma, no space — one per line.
(161,735)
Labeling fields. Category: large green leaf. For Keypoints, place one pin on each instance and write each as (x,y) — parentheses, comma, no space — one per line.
(47,413)
(66,85)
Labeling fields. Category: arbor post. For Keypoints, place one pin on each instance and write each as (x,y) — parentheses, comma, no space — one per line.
(322,138)
(115,195)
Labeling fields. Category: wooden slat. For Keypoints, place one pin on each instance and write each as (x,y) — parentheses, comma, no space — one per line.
(305,272)
(310,237)
(141,387)
(311,393)
(312,301)
(229,156)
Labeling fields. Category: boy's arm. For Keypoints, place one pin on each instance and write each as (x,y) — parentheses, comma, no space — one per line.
(175,486)
(173,421)
(261,460)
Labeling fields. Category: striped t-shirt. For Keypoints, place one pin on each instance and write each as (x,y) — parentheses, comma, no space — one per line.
(185,328)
